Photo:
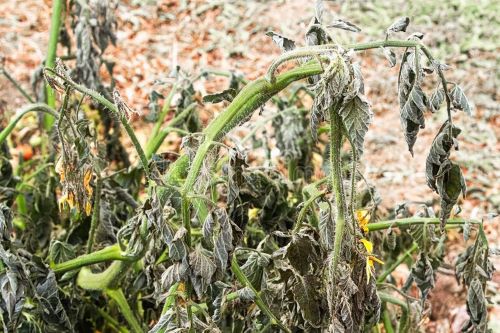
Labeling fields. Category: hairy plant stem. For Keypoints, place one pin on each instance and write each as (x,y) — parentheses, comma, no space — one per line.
(95,214)
(338,188)
(305,208)
(120,300)
(55,25)
(406,222)
(112,252)
(258,299)
(41,107)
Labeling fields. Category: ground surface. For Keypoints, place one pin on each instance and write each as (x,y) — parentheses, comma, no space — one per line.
(231,35)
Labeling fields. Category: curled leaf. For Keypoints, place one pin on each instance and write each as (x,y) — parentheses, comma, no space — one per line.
(389,55)
(284,43)
(226,95)
(459,100)
(344,25)
(399,25)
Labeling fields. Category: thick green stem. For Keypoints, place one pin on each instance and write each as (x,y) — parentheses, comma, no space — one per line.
(258,299)
(338,188)
(41,107)
(386,319)
(55,26)
(104,280)
(417,220)
(118,296)
(107,254)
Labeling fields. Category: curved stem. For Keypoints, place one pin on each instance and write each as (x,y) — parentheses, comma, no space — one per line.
(104,280)
(55,25)
(118,296)
(41,107)
(108,253)
(305,208)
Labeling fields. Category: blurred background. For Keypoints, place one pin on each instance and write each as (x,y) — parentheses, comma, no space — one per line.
(153,37)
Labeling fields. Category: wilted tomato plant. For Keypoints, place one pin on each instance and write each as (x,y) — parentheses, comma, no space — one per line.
(199,239)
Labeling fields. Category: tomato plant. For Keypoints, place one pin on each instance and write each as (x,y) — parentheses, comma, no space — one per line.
(201,239)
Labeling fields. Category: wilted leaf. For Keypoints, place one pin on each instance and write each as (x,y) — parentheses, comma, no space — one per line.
(326,229)
(5,222)
(226,95)
(476,306)
(284,43)
(246,294)
(356,116)
(389,55)
(174,273)
(423,274)
(459,100)
(61,251)
(344,25)
(437,99)
(303,252)
(306,293)
(399,25)
(254,268)
(202,267)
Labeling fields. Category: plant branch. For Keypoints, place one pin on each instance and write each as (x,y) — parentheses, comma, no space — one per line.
(17,85)
(112,252)
(118,296)
(95,214)
(110,106)
(41,107)
(417,220)
(258,299)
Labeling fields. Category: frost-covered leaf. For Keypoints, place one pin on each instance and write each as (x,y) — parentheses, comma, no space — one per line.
(174,273)
(476,307)
(303,252)
(54,313)
(459,100)
(423,274)
(306,294)
(284,43)
(61,251)
(326,228)
(412,100)
(356,116)
(389,55)
(254,268)
(226,95)
(437,99)
(202,269)
(399,25)
(344,25)
(246,294)
(5,222)
(201,262)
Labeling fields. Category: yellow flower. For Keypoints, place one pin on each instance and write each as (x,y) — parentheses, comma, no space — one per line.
(87,177)
(88,208)
(363,217)
(369,259)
